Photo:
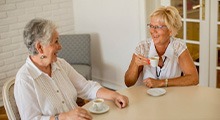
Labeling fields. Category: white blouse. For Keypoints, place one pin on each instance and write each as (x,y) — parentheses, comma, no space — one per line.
(39,96)
(171,66)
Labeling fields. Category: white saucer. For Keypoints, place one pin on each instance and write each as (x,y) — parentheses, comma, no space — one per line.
(156,91)
(105,109)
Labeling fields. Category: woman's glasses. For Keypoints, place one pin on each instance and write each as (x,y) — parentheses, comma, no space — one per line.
(156,27)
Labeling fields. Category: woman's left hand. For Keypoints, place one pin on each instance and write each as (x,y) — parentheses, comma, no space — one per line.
(152,83)
(120,100)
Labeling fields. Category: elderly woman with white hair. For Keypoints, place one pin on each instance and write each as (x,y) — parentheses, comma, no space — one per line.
(46,87)
(175,66)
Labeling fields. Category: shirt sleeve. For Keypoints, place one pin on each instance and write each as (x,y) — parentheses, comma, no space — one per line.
(143,48)
(179,46)
(85,88)
(26,100)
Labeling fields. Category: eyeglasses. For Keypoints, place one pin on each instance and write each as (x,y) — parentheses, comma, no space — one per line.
(156,27)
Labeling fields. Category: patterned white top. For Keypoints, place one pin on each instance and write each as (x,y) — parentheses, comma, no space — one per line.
(39,96)
(171,66)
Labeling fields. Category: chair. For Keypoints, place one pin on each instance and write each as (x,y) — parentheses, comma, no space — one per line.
(9,100)
(76,51)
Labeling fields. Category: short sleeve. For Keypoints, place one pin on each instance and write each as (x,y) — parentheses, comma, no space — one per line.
(143,48)
(179,46)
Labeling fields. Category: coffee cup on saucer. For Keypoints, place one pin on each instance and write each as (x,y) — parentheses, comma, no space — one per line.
(98,104)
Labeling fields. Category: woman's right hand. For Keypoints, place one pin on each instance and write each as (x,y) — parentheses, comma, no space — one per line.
(135,68)
(76,114)
(140,60)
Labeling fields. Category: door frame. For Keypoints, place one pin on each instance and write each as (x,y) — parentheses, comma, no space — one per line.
(213,41)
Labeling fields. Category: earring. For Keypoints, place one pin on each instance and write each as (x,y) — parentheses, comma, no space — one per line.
(42,56)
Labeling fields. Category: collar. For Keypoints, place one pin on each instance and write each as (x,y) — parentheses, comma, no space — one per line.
(35,71)
(169,51)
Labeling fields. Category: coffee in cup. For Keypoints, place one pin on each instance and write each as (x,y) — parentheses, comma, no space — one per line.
(98,104)
(154,61)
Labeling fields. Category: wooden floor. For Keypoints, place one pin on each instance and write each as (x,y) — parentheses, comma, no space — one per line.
(3,115)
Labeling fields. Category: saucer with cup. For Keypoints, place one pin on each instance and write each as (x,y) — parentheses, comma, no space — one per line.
(98,106)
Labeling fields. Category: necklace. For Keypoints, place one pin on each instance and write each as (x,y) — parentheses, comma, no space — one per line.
(158,74)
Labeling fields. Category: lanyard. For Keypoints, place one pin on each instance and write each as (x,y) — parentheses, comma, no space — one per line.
(158,74)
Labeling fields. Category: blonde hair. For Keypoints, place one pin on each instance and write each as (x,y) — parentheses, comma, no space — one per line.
(170,16)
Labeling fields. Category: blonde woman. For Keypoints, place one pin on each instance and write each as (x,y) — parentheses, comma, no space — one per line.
(175,67)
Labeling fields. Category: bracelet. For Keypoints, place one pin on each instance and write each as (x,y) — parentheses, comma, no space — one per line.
(166,82)
(56,116)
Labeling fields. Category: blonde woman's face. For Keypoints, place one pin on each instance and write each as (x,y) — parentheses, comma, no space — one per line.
(159,32)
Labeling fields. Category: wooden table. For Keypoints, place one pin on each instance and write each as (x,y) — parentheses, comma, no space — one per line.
(179,103)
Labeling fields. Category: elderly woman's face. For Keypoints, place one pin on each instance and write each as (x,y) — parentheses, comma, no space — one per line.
(52,48)
(159,32)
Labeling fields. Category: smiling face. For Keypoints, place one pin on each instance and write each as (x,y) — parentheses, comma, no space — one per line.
(160,35)
(51,50)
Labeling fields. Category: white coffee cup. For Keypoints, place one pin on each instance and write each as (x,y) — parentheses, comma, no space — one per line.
(98,104)
(154,61)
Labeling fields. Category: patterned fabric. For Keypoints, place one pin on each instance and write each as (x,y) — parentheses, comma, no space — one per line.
(75,48)
(171,66)
(76,51)
(84,70)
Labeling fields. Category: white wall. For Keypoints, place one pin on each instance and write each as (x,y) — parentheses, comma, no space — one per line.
(14,14)
(115,26)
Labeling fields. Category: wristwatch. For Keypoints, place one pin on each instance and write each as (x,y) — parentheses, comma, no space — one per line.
(57,116)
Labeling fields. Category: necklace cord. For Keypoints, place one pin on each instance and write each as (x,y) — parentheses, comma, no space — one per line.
(158,74)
